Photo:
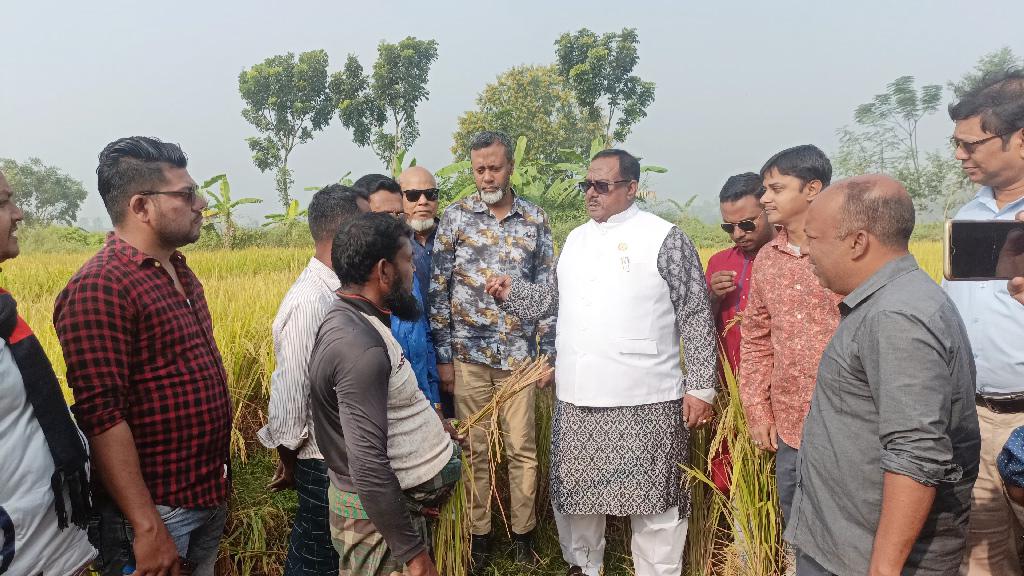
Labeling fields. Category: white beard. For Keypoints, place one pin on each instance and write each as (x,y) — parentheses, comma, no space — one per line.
(490,198)
(421,224)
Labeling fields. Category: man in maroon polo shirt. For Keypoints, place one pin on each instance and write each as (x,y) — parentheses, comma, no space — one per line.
(728,271)
(150,387)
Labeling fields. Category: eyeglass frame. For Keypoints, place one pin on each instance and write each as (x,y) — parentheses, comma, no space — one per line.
(189,195)
(971,147)
(428,192)
(728,227)
(586,185)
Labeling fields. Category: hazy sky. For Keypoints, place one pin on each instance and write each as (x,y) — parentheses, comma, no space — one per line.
(736,81)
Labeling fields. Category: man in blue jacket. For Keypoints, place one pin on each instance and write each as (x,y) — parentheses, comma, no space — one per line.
(386,196)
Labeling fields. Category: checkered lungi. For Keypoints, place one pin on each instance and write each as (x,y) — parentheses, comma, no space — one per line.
(362,549)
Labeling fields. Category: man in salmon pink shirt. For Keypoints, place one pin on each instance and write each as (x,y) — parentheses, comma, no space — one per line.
(789,317)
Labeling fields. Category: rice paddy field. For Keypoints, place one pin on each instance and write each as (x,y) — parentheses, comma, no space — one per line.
(244,288)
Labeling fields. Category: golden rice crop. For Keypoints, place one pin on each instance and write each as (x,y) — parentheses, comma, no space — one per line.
(244,288)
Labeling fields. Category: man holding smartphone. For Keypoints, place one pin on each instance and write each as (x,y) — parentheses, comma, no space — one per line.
(989,142)
(1016,285)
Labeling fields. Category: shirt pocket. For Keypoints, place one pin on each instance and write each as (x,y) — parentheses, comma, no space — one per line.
(640,346)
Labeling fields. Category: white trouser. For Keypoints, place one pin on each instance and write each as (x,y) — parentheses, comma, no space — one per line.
(657,543)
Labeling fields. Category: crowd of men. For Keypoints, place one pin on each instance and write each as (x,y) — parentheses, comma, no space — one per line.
(894,405)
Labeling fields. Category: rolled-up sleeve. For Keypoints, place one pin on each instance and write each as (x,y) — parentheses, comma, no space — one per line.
(907,366)
(96,327)
(294,334)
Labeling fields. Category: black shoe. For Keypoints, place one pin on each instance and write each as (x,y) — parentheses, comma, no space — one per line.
(480,553)
(522,548)
(574,571)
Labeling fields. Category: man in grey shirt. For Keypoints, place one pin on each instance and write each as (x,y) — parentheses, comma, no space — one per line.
(891,444)
(390,457)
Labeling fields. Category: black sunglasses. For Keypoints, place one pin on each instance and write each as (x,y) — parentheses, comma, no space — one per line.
(599,186)
(414,195)
(748,225)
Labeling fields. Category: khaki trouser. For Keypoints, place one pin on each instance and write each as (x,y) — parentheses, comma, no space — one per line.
(474,388)
(995,537)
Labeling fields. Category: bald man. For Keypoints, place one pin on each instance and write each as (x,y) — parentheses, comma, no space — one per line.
(891,443)
(419,200)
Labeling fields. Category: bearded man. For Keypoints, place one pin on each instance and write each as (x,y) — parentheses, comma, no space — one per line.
(489,233)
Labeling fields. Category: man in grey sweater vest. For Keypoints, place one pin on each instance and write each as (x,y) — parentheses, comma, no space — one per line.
(390,458)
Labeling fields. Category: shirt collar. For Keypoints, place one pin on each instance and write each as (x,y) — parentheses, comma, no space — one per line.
(986,196)
(129,253)
(894,269)
(366,307)
(781,243)
(616,219)
(324,273)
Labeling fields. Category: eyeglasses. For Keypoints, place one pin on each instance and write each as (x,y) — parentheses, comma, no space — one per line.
(748,225)
(414,195)
(189,195)
(397,214)
(599,186)
(970,147)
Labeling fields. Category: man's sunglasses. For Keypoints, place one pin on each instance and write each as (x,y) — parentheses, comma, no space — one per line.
(414,195)
(748,225)
(188,195)
(970,147)
(599,186)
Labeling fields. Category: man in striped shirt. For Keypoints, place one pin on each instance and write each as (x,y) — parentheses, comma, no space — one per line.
(289,426)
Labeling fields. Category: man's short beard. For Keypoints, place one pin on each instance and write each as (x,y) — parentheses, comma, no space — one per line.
(491,198)
(402,303)
(421,224)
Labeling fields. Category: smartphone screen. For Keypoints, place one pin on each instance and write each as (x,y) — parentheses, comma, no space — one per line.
(984,249)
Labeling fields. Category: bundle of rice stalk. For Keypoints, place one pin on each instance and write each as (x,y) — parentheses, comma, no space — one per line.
(754,546)
(451,535)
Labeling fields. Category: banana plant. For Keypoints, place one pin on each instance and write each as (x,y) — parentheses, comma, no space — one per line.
(221,207)
(345,180)
(290,217)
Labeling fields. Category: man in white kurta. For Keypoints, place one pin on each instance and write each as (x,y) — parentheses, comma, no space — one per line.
(629,286)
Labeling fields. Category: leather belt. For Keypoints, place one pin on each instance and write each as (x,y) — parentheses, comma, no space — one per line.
(1006,405)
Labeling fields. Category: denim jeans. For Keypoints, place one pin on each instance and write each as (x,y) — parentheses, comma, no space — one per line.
(196,533)
(786,473)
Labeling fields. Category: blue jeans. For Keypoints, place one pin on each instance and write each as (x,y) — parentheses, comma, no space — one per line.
(310,551)
(786,474)
(196,533)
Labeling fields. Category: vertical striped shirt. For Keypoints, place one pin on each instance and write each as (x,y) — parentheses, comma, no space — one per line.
(289,422)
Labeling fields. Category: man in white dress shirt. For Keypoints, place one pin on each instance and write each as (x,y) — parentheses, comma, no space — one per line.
(289,426)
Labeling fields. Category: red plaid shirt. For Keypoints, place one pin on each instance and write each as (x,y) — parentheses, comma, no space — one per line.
(137,351)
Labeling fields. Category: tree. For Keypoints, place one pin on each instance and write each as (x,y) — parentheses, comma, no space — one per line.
(46,194)
(599,71)
(530,101)
(380,109)
(222,207)
(1001,60)
(287,100)
(886,140)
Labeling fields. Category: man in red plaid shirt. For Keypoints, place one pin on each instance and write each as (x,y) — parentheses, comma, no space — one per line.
(150,387)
